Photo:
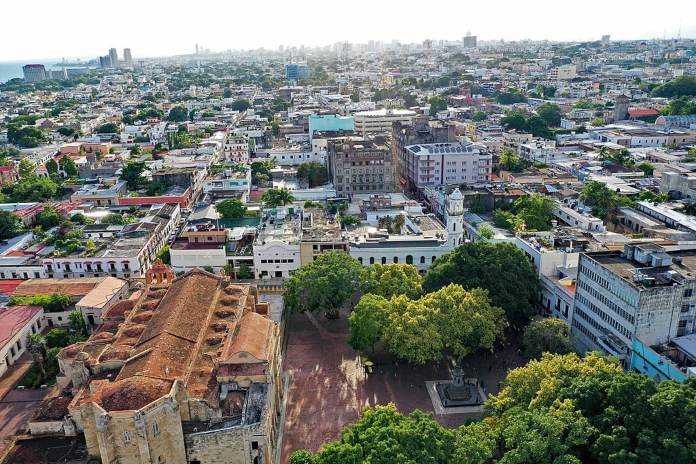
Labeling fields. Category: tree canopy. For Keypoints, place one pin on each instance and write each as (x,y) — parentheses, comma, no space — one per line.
(313,173)
(547,335)
(327,283)
(10,225)
(390,280)
(132,173)
(232,208)
(241,105)
(679,87)
(277,197)
(178,114)
(561,409)
(550,113)
(601,199)
(528,212)
(502,269)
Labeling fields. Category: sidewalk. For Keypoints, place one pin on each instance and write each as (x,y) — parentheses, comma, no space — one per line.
(14,374)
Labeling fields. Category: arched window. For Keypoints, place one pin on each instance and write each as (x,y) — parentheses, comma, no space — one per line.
(372,260)
(360,260)
(384,260)
(433,260)
(409,259)
(396,259)
(422,259)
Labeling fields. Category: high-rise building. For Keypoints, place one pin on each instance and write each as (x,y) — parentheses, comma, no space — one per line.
(127,58)
(469,41)
(113,56)
(296,71)
(34,72)
(105,61)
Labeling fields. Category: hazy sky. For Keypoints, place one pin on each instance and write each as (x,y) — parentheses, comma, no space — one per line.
(48,28)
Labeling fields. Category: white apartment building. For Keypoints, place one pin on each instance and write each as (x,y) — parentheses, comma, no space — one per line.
(16,324)
(439,164)
(380,121)
(645,292)
(277,248)
(578,219)
(237,148)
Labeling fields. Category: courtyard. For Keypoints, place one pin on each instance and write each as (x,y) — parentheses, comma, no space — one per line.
(328,387)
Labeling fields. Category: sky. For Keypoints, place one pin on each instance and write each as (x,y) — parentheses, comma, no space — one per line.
(88,28)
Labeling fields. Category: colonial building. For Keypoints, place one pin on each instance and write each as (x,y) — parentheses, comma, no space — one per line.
(358,165)
(188,372)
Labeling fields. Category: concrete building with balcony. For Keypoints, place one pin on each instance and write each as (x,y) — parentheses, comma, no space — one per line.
(441,164)
(277,247)
(321,233)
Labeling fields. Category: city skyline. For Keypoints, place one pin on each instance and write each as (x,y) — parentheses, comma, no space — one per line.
(312,26)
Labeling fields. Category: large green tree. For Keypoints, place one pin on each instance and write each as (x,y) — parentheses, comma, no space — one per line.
(325,284)
(601,199)
(132,173)
(10,225)
(390,280)
(550,113)
(502,269)
(232,208)
(547,335)
(178,114)
(313,173)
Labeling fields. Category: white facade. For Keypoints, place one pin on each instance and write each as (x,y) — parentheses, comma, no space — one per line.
(276,259)
(577,219)
(15,345)
(183,260)
(440,164)
(380,121)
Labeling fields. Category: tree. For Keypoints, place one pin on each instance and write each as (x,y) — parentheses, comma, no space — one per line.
(601,199)
(26,169)
(52,167)
(368,320)
(261,171)
(647,168)
(33,189)
(108,128)
(511,161)
(679,87)
(437,104)
(36,345)
(479,116)
(390,280)
(231,208)
(164,255)
(349,220)
(58,337)
(132,173)
(509,97)
(77,324)
(241,105)
(533,212)
(327,283)
(68,166)
(502,269)
(547,335)
(301,457)
(313,173)
(177,114)
(10,225)
(277,197)
(48,218)
(550,113)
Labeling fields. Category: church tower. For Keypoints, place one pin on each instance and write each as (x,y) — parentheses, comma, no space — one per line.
(454,217)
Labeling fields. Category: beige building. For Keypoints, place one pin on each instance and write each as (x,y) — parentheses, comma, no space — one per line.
(188,371)
(321,233)
(358,165)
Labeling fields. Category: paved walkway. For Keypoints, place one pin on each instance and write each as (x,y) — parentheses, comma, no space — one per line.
(17,406)
(328,388)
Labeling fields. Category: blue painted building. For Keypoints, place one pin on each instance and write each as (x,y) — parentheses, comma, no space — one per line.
(330,123)
(675,360)
(296,71)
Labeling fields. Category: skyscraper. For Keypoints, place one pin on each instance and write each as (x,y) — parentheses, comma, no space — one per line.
(34,72)
(113,55)
(127,58)
(469,41)
(104,61)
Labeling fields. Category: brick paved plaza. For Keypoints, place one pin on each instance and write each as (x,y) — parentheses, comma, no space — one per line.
(328,389)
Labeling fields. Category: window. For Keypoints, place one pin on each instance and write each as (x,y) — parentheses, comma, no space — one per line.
(155,429)
(396,259)
(360,260)
(688,293)
(384,260)
(372,260)
(433,259)
(422,260)
(254,445)
(409,259)
(126,437)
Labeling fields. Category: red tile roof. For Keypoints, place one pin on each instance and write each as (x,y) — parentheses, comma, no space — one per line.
(640,112)
(13,320)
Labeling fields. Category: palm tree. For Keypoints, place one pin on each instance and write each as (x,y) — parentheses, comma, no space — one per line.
(277,197)
(36,345)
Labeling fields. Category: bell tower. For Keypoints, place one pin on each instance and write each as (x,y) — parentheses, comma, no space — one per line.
(454,216)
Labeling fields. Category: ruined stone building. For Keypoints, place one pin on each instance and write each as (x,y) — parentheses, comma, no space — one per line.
(185,371)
